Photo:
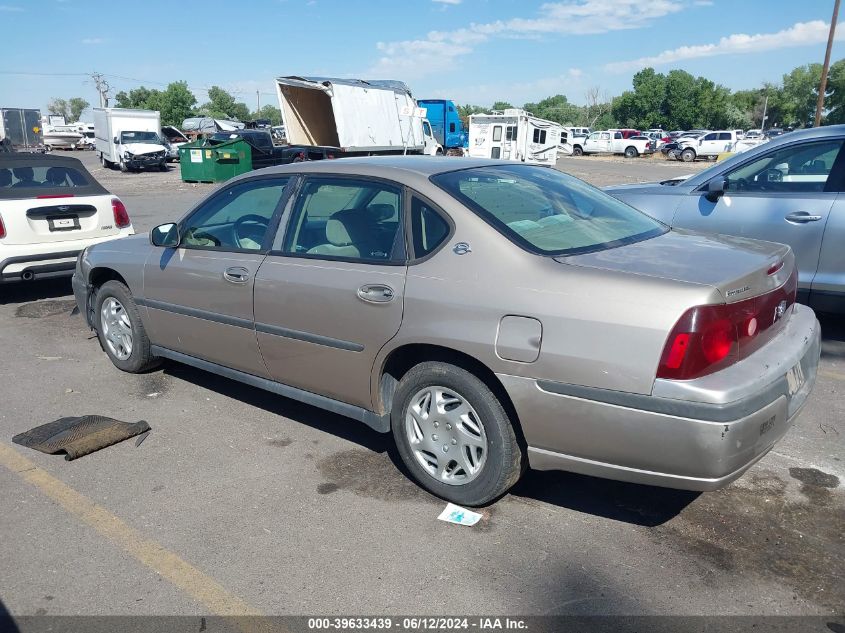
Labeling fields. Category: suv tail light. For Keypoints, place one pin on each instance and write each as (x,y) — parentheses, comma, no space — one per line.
(2,229)
(712,337)
(121,217)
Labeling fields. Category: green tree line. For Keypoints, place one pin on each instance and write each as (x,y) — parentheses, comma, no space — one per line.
(678,100)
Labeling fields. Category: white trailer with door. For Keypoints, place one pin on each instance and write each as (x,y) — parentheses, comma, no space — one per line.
(514,135)
(355,116)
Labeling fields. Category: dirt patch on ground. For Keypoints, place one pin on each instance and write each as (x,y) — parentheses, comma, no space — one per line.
(755,527)
(41,309)
(368,474)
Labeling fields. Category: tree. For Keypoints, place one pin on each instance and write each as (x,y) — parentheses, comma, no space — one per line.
(800,94)
(556,108)
(175,103)
(501,105)
(269,111)
(465,111)
(222,105)
(76,105)
(836,93)
(597,106)
(59,107)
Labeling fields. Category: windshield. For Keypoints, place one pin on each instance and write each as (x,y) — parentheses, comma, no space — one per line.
(139,137)
(546,211)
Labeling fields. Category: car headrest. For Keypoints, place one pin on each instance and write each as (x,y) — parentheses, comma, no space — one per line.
(380,212)
(343,227)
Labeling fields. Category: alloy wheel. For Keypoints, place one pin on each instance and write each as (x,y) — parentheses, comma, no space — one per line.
(116,328)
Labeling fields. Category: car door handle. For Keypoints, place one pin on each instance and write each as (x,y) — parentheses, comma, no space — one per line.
(236,275)
(376,293)
(802,217)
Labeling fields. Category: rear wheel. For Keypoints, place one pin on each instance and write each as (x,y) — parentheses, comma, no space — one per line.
(105,162)
(454,435)
(688,155)
(120,330)
(631,152)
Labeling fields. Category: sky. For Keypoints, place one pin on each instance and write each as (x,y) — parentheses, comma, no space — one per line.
(471,51)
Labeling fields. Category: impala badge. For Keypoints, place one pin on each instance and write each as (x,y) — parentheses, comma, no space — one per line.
(780,310)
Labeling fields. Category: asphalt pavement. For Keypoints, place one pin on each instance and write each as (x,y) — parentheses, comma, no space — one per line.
(240,501)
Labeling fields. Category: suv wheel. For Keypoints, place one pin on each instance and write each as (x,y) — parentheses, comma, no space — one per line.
(631,152)
(454,435)
(688,155)
(120,330)
(577,151)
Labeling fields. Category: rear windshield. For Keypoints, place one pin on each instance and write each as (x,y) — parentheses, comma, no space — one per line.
(29,179)
(547,212)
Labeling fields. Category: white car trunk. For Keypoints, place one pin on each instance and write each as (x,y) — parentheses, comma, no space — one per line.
(57,219)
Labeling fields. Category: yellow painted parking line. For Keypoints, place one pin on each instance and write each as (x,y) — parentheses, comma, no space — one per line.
(201,587)
(831,374)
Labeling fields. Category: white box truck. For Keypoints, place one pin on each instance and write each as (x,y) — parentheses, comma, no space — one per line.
(129,139)
(514,135)
(355,116)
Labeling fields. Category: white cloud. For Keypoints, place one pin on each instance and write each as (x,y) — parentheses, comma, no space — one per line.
(438,50)
(8,8)
(93,40)
(799,34)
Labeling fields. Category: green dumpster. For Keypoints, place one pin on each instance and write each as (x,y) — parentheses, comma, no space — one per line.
(201,161)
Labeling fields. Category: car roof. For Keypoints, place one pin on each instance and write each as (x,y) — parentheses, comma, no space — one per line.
(388,166)
(33,159)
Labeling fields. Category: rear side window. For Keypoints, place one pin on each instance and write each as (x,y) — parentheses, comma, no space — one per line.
(428,228)
(547,212)
(724,136)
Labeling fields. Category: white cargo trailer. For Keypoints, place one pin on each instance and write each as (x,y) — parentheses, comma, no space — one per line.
(353,115)
(129,139)
(514,135)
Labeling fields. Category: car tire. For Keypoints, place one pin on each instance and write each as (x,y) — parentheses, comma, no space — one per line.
(107,164)
(688,155)
(115,317)
(631,152)
(123,167)
(491,446)
(162,166)
(577,151)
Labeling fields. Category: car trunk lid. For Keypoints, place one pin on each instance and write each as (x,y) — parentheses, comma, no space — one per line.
(51,219)
(737,267)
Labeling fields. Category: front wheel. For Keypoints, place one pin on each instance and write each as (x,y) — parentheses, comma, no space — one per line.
(454,435)
(577,151)
(631,152)
(688,155)
(120,329)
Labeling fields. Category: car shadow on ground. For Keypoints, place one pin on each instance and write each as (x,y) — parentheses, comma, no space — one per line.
(25,292)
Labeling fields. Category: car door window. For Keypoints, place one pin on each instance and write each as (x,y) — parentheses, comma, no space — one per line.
(796,168)
(235,219)
(428,228)
(724,136)
(350,219)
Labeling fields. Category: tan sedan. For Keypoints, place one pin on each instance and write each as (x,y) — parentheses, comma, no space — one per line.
(491,316)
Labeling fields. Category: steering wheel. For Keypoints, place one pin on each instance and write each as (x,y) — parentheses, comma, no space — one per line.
(200,238)
(257,232)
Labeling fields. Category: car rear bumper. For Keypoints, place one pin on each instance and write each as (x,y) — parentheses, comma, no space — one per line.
(696,435)
(28,262)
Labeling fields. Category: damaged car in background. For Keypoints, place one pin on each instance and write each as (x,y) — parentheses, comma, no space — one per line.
(494,317)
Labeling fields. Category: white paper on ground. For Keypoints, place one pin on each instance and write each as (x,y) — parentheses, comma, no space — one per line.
(459,515)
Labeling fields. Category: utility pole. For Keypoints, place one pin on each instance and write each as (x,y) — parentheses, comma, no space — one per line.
(258,101)
(102,88)
(826,67)
(766,107)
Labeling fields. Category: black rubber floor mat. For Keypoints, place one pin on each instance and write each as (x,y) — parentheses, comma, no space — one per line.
(79,436)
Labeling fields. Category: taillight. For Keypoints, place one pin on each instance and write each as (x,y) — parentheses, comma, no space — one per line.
(2,229)
(708,338)
(121,217)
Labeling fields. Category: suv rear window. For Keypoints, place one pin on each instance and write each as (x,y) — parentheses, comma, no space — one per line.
(547,212)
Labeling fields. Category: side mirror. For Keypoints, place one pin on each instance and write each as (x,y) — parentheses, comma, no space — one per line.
(716,188)
(166,235)
(116,141)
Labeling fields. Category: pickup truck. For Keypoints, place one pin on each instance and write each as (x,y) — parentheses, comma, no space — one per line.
(612,142)
(265,154)
(708,145)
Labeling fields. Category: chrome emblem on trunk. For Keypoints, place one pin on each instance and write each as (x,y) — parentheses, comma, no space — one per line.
(780,310)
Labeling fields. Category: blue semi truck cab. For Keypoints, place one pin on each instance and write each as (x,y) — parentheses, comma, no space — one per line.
(445,122)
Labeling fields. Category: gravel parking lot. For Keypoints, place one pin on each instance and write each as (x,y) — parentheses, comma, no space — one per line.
(245,502)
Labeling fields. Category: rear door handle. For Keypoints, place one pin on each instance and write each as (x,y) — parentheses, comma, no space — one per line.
(802,217)
(376,293)
(236,275)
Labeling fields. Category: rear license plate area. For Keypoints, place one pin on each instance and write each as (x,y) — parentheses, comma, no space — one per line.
(63,223)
